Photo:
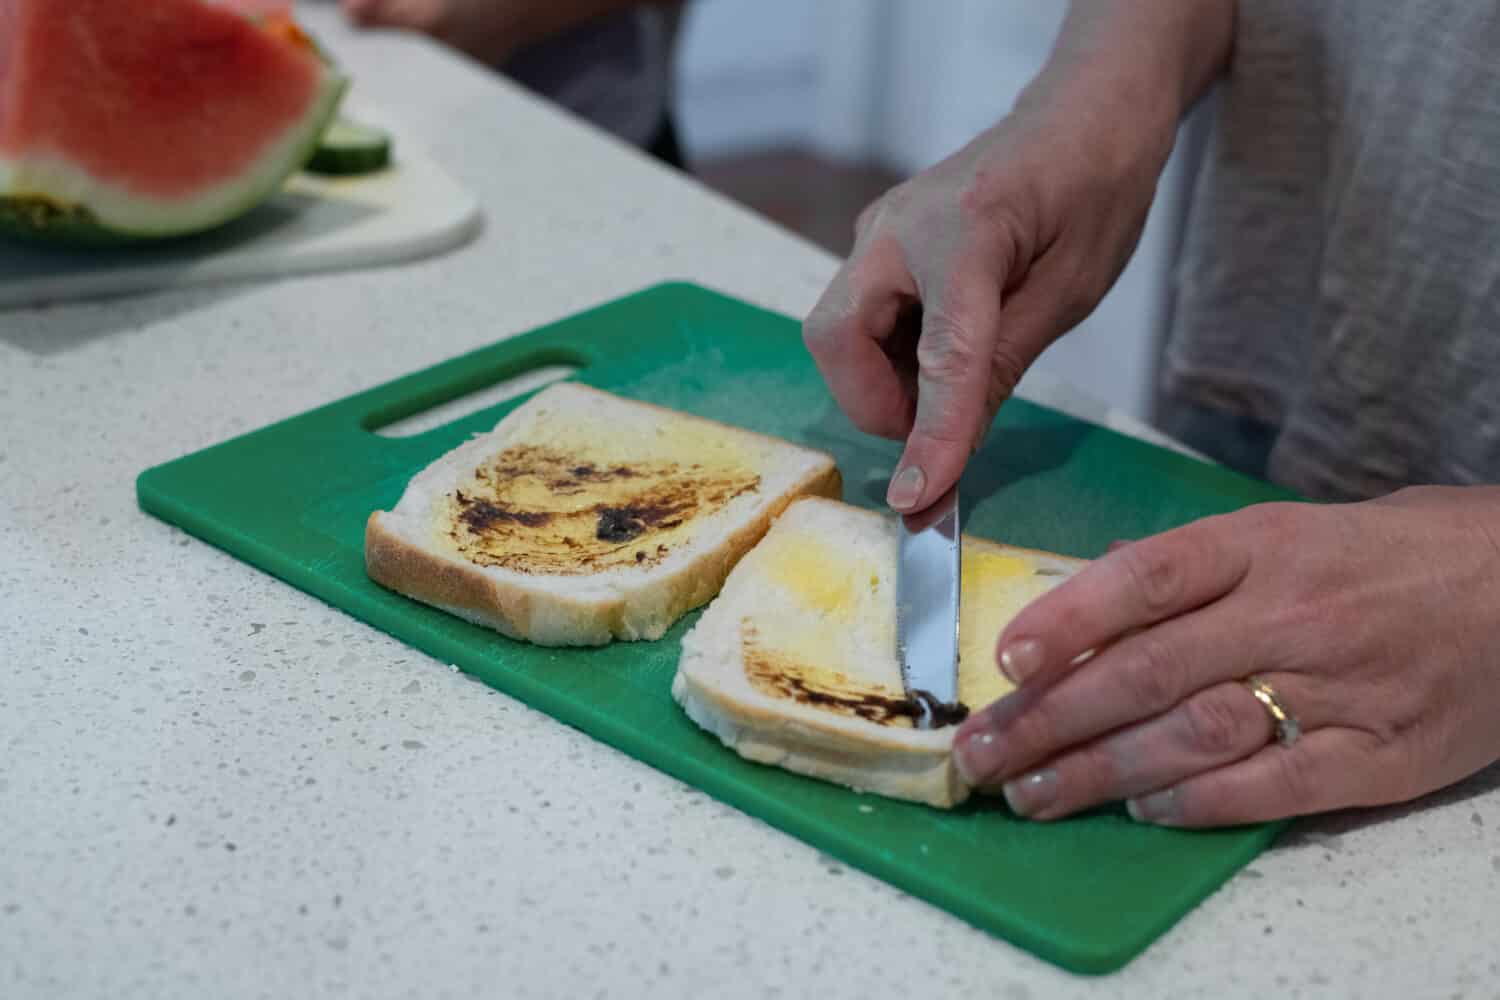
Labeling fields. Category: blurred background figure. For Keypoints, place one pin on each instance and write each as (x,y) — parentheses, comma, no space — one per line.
(607,61)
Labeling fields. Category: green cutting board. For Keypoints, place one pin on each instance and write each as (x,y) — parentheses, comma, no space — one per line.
(1088,894)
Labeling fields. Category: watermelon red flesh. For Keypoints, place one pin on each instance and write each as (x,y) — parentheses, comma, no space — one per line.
(160,99)
(8,35)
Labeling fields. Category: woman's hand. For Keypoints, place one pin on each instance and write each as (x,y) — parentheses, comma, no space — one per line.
(1377,624)
(961,276)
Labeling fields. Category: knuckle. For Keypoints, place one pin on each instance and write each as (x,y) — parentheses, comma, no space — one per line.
(898,197)
(833,321)
(1215,726)
(995,203)
(1275,523)
(1155,678)
(823,322)
(976,200)
(1156,576)
(946,350)
(814,333)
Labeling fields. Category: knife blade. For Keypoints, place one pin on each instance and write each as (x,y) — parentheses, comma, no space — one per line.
(927,596)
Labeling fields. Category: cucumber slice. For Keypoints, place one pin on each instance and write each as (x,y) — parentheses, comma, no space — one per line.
(351,148)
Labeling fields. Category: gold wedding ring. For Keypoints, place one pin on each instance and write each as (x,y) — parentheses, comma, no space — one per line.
(1288,729)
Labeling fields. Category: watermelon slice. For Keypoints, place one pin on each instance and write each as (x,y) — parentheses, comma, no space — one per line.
(134,119)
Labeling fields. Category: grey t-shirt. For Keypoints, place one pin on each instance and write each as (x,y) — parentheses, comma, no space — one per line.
(1340,278)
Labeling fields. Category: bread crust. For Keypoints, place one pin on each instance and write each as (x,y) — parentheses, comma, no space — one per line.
(857,759)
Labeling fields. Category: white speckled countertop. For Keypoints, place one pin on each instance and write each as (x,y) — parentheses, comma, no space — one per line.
(212,784)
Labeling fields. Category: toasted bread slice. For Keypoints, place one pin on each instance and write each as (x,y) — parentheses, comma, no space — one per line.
(585,517)
(795,663)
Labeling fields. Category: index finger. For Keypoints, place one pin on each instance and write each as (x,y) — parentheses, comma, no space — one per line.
(845,333)
(1130,588)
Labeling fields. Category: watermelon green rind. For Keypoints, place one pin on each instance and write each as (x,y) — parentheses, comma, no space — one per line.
(40,220)
(53,202)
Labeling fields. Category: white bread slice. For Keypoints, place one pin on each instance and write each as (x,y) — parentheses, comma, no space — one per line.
(795,663)
(585,517)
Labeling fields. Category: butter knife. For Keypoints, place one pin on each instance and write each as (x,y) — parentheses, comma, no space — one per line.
(927,596)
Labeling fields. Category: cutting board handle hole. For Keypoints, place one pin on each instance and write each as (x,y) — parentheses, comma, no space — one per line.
(427,413)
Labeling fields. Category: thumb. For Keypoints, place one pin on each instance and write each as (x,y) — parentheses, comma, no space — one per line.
(954,357)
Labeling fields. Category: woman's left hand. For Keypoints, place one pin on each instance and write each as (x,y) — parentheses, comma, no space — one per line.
(1377,624)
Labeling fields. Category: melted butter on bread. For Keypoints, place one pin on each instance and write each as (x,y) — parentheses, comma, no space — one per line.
(583,504)
(819,577)
(995,587)
(826,636)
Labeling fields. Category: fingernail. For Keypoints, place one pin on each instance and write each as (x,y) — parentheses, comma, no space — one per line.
(1021,659)
(1029,795)
(906,488)
(977,757)
(1158,807)
(1117,545)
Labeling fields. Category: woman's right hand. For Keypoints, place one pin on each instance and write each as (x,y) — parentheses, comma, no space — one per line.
(962,275)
